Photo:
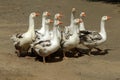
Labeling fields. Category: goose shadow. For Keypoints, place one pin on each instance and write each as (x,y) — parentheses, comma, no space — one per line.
(81,52)
(55,57)
(103,52)
(74,53)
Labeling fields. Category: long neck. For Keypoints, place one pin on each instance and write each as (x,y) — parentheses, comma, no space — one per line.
(72,18)
(31,24)
(82,26)
(43,29)
(47,28)
(55,32)
(75,29)
(102,29)
(43,23)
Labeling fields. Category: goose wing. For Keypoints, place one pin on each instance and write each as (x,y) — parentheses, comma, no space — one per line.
(91,37)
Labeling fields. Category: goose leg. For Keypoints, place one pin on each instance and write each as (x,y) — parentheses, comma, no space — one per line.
(64,56)
(44,60)
(98,49)
(89,53)
(17,52)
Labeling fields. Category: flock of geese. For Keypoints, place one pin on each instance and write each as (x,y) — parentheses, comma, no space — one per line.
(45,41)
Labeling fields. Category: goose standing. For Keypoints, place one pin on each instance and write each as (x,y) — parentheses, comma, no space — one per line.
(52,47)
(57,17)
(92,41)
(40,33)
(22,41)
(68,29)
(73,40)
(82,27)
(47,35)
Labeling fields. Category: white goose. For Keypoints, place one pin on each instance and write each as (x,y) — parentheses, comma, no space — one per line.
(92,40)
(44,28)
(22,41)
(68,29)
(73,40)
(52,47)
(57,17)
(82,27)
(47,35)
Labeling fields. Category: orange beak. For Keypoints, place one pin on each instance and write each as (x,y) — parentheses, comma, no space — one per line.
(83,14)
(37,14)
(51,21)
(59,17)
(79,21)
(60,22)
(108,17)
(48,14)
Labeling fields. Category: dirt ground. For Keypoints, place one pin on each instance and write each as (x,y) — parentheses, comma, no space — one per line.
(14,19)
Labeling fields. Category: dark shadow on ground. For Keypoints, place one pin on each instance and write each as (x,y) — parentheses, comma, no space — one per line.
(74,53)
(106,1)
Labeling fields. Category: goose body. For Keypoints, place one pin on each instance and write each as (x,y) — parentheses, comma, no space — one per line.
(72,40)
(54,44)
(22,41)
(93,34)
(96,38)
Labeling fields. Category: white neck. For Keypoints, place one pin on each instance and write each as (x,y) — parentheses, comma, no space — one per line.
(75,29)
(55,34)
(82,26)
(47,29)
(72,18)
(31,24)
(102,29)
(43,21)
(43,28)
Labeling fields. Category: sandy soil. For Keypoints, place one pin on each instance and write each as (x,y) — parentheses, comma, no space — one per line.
(14,19)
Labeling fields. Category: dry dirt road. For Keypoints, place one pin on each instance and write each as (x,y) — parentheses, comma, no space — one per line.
(14,19)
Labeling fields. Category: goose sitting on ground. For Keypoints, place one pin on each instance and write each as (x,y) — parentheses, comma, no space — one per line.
(22,41)
(54,44)
(93,40)
(73,40)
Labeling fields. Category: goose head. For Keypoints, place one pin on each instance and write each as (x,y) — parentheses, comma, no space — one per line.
(49,21)
(73,10)
(46,13)
(58,16)
(34,14)
(77,21)
(57,22)
(105,18)
(82,14)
